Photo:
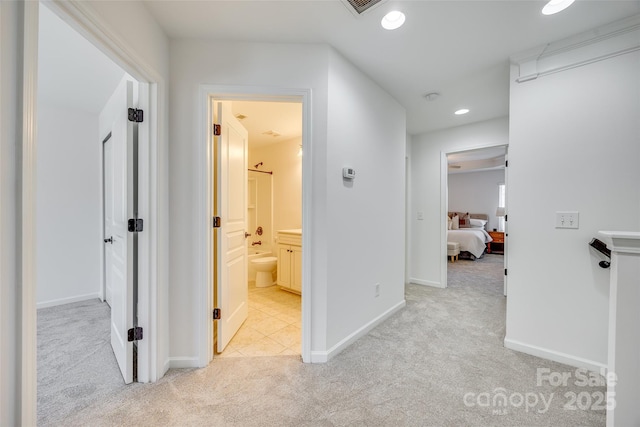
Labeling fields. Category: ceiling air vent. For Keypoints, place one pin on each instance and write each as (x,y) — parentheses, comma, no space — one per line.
(358,7)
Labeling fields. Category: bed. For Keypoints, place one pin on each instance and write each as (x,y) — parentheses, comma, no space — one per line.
(472,238)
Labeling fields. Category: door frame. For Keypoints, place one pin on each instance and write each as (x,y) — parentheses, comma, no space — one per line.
(152,199)
(444,203)
(205,152)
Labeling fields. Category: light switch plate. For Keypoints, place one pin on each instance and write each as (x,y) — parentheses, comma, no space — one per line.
(568,219)
(420,215)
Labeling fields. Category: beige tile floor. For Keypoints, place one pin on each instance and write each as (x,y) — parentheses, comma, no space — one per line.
(273,326)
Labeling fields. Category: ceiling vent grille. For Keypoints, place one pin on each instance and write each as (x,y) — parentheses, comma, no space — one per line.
(361,6)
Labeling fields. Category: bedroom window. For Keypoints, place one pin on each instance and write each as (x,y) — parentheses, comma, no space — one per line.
(501,203)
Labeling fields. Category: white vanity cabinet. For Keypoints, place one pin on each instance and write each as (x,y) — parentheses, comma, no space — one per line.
(290,260)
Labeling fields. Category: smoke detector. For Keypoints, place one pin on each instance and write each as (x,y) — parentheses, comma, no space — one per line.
(358,7)
(431,96)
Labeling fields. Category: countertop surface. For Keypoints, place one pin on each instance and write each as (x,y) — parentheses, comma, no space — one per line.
(292,231)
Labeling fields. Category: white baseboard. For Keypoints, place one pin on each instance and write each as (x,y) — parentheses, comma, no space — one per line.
(325,356)
(426,283)
(555,356)
(69,300)
(184,362)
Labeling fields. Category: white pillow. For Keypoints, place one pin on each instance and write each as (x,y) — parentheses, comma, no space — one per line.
(455,222)
(449,223)
(478,223)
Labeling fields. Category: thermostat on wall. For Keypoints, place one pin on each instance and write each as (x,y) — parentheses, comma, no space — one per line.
(348,173)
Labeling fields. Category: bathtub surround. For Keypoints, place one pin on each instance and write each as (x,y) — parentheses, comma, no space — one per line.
(286,193)
(260,211)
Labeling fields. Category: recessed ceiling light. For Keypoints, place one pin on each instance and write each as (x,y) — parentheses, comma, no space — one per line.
(461,111)
(393,20)
(555,6)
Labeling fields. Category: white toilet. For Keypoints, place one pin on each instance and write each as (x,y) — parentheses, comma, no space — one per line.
(265,267)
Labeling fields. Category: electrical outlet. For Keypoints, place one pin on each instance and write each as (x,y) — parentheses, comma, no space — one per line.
(377,290)
(567,219)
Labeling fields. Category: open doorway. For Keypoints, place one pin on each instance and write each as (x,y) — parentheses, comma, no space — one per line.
(77,88)
(476,210)
(270,190)
(273,230)
(258,192)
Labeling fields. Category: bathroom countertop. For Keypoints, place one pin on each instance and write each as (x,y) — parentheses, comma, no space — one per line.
(292,231)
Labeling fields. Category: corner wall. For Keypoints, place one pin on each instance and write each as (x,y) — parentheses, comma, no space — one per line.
(575,145)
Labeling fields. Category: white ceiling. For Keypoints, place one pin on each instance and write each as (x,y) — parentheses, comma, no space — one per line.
(72,73)
(269,122)
(490,158)
(458,48)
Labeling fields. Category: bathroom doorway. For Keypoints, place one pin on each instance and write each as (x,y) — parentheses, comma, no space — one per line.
(274,216)
(272,304)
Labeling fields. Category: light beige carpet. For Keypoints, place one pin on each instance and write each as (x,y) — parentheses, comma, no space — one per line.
(438,362)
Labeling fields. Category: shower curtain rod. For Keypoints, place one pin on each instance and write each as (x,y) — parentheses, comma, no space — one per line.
(256,170)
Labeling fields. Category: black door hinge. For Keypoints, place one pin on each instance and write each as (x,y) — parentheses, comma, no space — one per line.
(135,225)
(216,130)
(216,222)
(505,217)
(506,163)
(216,314)
(505,271)
(134,334)
(135,115)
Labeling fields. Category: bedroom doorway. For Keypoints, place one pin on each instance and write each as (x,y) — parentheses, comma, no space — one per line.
(475,216)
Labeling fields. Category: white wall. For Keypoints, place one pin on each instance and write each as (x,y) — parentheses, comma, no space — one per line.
(333,205)
(573,146)
(197,62)
(282,158)
(476,192)
(69,223)
(426,241)
(365,227)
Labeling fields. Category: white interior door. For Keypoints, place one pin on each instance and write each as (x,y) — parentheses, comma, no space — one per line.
(119,207)
(232,293)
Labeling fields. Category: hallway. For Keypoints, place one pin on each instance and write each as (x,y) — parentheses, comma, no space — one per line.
(418,368)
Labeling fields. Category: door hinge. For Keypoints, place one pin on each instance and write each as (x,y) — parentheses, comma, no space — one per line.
(505,271)
(216,222)
(135,115)
(135,225)
(216,130)
(134,334)
(506,163)
(505,218)
(216,314)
